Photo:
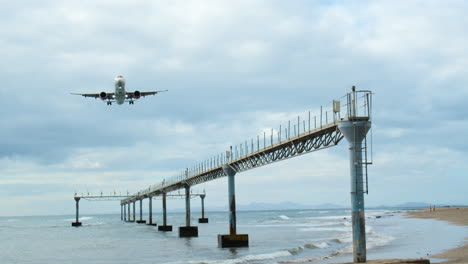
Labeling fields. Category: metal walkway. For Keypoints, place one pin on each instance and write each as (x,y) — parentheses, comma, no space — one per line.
(313,140)
(318,133)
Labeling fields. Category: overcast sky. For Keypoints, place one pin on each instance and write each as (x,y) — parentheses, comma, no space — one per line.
(233,69)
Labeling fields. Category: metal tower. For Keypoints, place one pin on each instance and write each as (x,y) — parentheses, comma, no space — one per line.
(354,129)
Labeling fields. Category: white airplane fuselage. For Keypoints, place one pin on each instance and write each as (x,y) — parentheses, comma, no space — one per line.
(120,94)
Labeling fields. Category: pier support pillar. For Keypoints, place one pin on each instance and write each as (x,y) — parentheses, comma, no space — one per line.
(164,227)
(355,132)
(203,219)
(134,218)
(121,212)
(233,239)
(125,212)
(77,223)
(187,230)
(128,211)
(150,211)
(141,221)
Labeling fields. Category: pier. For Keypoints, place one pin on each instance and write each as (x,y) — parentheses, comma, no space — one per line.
(126,208)
(349,118)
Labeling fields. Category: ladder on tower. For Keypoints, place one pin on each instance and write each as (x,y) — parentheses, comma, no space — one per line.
(366,160)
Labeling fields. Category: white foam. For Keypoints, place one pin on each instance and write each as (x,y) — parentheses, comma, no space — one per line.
(377,240)
(247,258)
(331,223)
(336,217)
(318,229)
(322,245)
(83,218)
(342,240)
(273,255)
(284,217)
(345,250)
(302,260)
(307,224)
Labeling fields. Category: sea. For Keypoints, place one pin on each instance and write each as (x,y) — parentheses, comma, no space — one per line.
(287,236)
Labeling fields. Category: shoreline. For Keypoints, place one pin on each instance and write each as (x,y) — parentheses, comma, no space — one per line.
(453,215)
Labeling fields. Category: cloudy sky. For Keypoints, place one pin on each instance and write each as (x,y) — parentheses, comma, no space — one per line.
(233,69)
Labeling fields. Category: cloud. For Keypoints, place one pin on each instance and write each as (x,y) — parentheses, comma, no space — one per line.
(234,70)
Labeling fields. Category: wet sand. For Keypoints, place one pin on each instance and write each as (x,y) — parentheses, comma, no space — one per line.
(453,215)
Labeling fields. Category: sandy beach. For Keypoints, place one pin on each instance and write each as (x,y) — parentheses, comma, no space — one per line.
(453,215)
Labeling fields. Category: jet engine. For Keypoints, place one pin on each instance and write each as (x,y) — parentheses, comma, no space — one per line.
(103,95)
(137,94)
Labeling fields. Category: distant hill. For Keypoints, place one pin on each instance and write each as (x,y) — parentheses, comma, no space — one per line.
(285,206)
(414,205)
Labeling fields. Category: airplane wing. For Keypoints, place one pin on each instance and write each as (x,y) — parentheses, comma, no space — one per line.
(131,95)
(108,96)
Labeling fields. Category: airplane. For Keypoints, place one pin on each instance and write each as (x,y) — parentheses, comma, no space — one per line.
(120,96)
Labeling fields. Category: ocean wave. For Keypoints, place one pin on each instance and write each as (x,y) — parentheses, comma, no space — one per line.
(320,229)
(378,240)
(273,255)
(301,260)
(304,224)
(309,260)
(342,240)
(339,223)
(83,218)
(295,251)
(335,217)
(248,258)
(95,224)
(320,245)
(284,217)
(373,240)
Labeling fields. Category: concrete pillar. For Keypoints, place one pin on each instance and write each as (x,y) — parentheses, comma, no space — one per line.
(164,205)
(203,219)
(121,212)
(128,210)
(232,200)
(355,132)
(164,227)
(187,230)
(233,239)
(141,209)
(125,212)
(187,206)
(77,222)
(141,221)
(150,211)
(202,197)
(134,218)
